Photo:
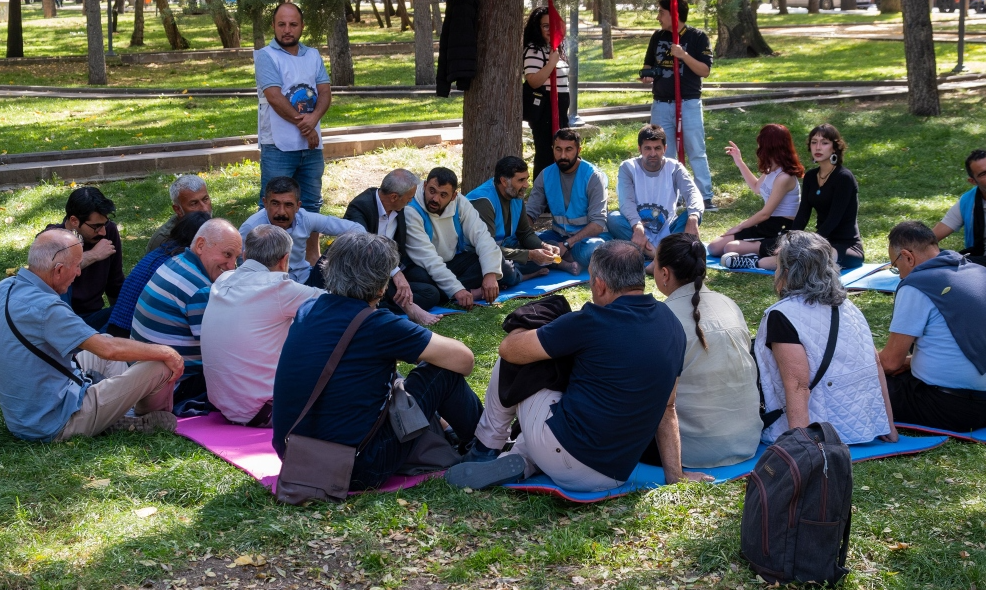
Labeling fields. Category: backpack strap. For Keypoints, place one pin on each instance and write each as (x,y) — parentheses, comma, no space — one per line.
(844,548)
(34,349)
(829,349)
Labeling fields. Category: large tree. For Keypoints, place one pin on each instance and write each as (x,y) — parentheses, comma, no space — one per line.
(15,30)
(327,18)
(48,6)
(137,37)
(919,52)
(605,23)
(424,46)
(94,38)
(892,6)
(171,26)
(491,110)
(739,35)
(229,30)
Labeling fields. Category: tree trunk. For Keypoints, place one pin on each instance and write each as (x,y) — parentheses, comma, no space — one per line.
(356,13)
(424,51)
(137,37)
(229,30)
(340,53)
(170,26)
(919,52)
(891,6)
(15,30)
(848,5)
(813,6)
(350,16)
(94,39)
(257,19)
(614,16)
(739,35)
(376,13)
(388,11)
(48,6)
(405,19)
(607,30)
(491,110)
(781,8)
(436,18)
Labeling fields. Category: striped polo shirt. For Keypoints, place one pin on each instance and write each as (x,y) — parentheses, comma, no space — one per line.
(170,309)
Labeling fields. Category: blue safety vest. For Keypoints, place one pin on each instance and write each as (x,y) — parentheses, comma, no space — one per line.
(460,246)
(967,204)
(488,191)
(576,216)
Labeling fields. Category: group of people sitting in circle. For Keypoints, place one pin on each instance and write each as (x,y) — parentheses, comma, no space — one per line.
(242,319)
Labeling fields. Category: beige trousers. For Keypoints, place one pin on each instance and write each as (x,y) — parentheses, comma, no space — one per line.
(145,386)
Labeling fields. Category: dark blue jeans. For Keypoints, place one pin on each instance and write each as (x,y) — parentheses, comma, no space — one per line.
(305,166)
(436,390)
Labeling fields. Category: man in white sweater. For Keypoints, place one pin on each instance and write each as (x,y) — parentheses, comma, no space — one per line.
(450,243)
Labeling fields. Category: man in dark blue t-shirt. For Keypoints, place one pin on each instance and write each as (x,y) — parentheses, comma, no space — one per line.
(357,270)
(628,350)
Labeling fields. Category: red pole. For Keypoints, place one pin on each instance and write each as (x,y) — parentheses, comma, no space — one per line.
(679,138)
(554,72)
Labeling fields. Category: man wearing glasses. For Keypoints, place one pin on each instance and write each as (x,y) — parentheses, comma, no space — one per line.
(86,213)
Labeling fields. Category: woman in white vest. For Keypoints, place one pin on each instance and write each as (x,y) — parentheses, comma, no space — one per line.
(750,243)
(790,348)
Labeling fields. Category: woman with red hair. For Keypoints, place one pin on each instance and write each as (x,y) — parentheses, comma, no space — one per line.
(750,243)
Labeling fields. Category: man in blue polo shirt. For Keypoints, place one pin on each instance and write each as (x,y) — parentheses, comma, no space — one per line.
(628,350)
(60,377)
(574,192)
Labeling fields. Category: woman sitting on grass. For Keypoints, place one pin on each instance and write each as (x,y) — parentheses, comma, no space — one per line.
(718,401)
(753,240)
(832,192)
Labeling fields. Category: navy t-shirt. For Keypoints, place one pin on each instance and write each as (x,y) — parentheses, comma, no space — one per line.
(351,402)
(628,355)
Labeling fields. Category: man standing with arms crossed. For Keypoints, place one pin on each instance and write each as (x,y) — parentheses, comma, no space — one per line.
(294,92)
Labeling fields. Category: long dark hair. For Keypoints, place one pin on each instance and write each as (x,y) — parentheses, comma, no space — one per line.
(184,231)
(684,255)
(775,144)
(532,30)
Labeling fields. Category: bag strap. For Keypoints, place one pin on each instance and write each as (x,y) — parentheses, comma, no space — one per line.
(829,349)
(34,349)
(844,548)
(331,364)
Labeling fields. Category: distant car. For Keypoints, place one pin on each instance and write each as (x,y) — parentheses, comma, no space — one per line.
(953,5)
(826,4)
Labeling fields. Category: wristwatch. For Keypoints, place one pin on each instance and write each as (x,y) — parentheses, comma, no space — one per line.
(566,244)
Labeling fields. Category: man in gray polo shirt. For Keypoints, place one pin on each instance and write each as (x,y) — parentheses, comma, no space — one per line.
(61,377)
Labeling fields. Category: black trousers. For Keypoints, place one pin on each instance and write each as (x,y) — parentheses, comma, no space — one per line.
(917,402)
(542,135)
(464,265)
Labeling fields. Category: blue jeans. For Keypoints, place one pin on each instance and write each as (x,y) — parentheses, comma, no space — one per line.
(581,251)
(693,128)
(620,228)
(305,166)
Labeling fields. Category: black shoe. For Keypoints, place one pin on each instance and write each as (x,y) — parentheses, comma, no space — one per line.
(505,469)
(739,261)
(709,206)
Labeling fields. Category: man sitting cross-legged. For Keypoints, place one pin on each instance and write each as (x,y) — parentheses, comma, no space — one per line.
(628,350)
(938,309)
(574,192)
(50,391)
(170,308)
(450,244)
(357,269)
(282,207)
(244,326)
(188,194)
(500,203)
(381,211)
(969,213)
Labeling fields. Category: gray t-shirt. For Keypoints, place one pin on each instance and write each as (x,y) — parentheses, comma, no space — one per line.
(36,399)
(953,219)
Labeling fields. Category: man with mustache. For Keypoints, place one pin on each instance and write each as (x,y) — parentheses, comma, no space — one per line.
(449,244)
(574,191)
(282,207)
(294,92)
(500,204)
(649,188)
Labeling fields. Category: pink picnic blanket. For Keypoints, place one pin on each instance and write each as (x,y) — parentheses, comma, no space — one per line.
(250,450)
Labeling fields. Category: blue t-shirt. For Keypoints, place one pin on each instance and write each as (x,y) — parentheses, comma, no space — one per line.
(628,355)
(937,359)
(351,402)
(37,400)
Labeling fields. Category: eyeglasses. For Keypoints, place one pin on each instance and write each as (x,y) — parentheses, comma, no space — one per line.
(94,226)
(893,265)
(60,250)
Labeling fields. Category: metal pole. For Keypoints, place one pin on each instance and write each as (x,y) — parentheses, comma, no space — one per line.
(574,120)
(963,7)
(109,25)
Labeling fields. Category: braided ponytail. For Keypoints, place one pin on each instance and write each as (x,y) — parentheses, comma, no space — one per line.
(698,271)
(684,255)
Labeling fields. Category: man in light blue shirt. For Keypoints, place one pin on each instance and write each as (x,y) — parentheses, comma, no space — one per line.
(60,377)
(281,208)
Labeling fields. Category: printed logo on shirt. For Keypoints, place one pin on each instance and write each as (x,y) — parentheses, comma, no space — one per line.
(302,98)
(654,217)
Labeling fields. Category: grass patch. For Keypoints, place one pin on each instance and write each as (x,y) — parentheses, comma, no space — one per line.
(67,511)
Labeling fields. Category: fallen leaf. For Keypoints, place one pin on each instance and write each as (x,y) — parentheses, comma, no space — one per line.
(578,580)
(145,512)
(898,546)
(964,554)
(148,563)
(244,560)
(97,483)
(402,502)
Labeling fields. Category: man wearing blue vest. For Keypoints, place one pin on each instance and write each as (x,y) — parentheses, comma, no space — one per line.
(500,204)
(449,244)
(967,213)
(574,191)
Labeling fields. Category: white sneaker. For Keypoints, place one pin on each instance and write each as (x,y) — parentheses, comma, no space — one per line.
(734,260)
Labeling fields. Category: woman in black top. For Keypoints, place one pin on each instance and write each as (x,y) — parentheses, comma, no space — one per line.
(831,190)
(539,61)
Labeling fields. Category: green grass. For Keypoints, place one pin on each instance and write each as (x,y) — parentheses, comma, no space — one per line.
(67,511)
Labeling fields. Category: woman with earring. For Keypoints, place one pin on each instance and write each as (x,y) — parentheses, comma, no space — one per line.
(832,192)
(717,398)
(539,61)
(751,242)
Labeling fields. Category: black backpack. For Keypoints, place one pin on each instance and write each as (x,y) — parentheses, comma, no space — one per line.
(798,507)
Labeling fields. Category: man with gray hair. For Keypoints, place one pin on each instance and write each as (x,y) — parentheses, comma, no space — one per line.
(357,270)
(188,193)
(171,306)
(619,397)
(60,377)
(381,211)
(245,324)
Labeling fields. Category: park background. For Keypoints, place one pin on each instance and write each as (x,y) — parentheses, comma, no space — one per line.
(159,511)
